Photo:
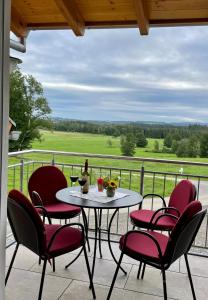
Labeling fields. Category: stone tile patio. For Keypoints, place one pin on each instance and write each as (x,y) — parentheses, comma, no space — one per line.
(73,283)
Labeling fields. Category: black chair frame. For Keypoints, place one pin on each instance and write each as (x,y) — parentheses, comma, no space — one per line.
(32,240)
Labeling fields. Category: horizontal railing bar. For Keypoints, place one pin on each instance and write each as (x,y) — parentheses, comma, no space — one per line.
(176,174)
(113,168)
(115,157)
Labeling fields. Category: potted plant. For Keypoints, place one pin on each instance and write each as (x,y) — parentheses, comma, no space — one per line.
(110,185)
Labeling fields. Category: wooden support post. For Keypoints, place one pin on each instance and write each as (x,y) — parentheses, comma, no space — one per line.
(5,11)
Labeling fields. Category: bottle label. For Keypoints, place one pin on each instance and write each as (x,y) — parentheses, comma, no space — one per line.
(85,188)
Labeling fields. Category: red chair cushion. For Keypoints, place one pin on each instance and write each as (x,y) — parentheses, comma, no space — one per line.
(62,210)
(67,240)
(141,218)
(138,245)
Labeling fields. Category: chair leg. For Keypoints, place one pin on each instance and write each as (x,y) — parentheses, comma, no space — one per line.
(139,270)
(189,275)
(42,279)
(89,273)
(11,263)
(143,270)
(114,277)
(164,284)
(71,262)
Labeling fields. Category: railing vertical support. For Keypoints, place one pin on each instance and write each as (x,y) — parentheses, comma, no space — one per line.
(53,161)
(141,183)
(142,180)
(21,175)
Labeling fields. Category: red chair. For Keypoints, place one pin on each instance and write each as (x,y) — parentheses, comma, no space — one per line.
(183,193)
(159,250)
(46,240)
(47,181)
(43,185)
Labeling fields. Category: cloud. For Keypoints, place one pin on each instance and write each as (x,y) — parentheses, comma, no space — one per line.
(119,75)
(84,88)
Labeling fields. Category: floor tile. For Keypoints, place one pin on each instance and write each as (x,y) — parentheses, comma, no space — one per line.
(177,284)
(198,265)
(24,285)
(25,258)
(79,290)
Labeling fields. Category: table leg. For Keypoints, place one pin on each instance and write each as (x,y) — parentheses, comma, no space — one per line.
(100,222)
(95,244)
(109,243)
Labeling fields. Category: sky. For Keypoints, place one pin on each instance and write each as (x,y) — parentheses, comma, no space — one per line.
(118,75)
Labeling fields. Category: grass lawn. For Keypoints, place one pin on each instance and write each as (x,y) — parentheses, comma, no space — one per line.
(93,143)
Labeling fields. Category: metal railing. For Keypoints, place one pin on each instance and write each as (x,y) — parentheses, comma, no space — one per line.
(143,179)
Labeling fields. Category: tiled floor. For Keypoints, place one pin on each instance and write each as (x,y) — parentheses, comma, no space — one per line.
(73,283)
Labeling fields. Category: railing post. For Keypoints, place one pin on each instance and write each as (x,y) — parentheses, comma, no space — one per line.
(53,161)
(142,180)
(21,174)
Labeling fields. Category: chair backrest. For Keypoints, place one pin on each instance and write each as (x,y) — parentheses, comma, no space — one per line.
(25,222)
(183,193)
(184,232)
(47,181)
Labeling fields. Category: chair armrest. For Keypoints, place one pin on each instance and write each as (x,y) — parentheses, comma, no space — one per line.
(161,216)
(36,198)
(148,235)
(156,195)
(61,228)
(165,209)
(45,213)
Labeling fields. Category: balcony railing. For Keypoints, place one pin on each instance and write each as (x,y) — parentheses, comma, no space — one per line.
(146,175)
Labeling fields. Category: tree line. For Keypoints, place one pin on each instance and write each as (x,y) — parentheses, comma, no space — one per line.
(184,141)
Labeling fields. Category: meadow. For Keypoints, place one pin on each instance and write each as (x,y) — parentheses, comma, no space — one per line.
(99,144)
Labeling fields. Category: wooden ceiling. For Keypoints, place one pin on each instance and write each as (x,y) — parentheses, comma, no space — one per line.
(78,15)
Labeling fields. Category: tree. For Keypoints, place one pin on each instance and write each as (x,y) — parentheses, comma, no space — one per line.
(194,146)
(127,145)
(156,146)
(168,140)
(28,108)
(109,143)
(204,145)
(183,148)
(174,146)
(141,140)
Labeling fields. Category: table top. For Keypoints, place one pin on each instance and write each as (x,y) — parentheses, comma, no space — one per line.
(132,198)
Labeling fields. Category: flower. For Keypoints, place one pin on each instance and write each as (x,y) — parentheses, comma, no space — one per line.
(110,184)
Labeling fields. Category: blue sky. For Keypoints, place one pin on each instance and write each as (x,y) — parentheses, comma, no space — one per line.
(119,75)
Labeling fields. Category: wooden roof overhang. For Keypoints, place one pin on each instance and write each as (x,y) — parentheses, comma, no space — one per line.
(78,15)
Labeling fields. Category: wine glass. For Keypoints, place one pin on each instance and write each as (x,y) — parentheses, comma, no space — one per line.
(73,180)
(82,182)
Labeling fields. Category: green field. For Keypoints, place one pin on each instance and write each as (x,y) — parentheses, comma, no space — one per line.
(97,144)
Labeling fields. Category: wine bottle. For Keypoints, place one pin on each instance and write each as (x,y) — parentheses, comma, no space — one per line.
(85,175)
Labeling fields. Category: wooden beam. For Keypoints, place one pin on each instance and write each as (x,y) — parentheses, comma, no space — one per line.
(72,15)
(18,26)
(142,16)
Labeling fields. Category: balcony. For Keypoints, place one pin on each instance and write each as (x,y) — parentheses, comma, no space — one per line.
(73,283)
